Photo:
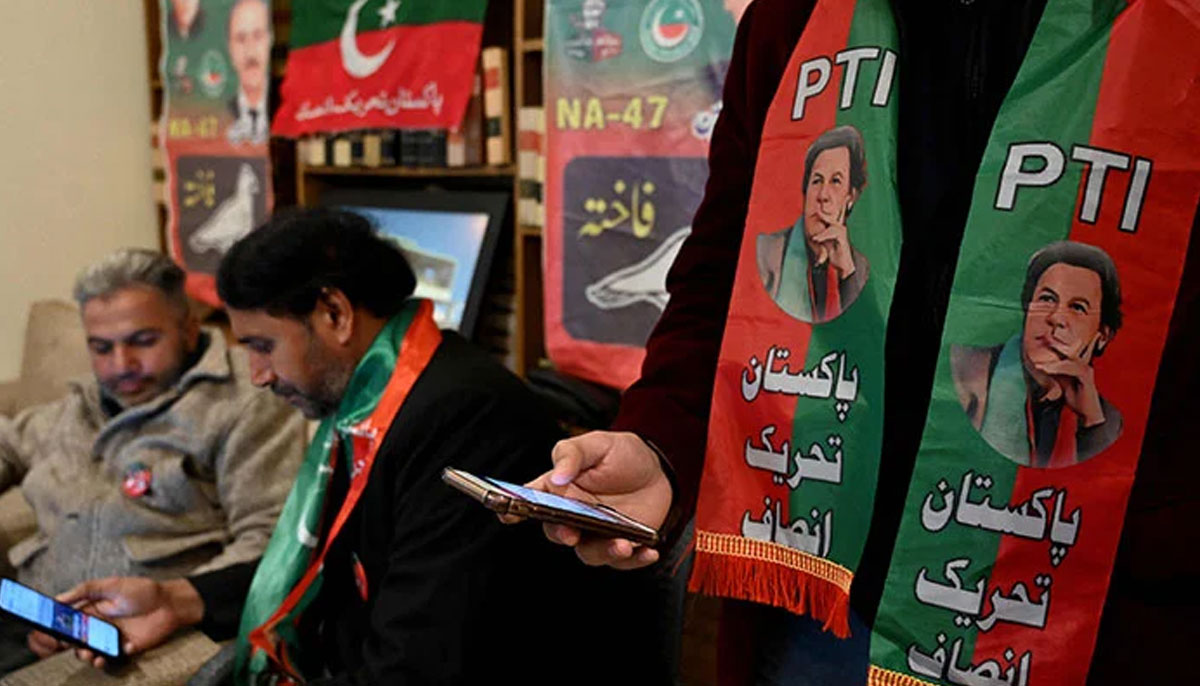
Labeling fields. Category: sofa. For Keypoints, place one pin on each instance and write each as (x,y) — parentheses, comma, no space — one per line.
(53,353)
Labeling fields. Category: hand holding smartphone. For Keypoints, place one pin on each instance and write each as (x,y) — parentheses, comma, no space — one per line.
(64,622)
(507,498)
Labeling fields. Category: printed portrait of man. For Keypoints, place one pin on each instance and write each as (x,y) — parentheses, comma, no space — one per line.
(250,53)
(811,269)
(187,19)
(1034,398)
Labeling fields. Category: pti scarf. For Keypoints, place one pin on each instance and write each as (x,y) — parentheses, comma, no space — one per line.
(1002,563)
(289,577)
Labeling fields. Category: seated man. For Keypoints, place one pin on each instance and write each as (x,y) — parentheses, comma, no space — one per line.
(168,462)
(378,573)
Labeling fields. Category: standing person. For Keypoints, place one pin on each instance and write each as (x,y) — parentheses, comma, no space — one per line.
(956,64)
(378,572)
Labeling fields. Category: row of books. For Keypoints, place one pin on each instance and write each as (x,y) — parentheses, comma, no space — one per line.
(484,137)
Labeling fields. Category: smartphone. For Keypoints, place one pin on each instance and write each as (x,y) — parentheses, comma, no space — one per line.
(507,498)
(64,622)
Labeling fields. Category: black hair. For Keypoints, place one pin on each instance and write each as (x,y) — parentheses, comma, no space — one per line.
(841,137)
(1084,256)
(282,267)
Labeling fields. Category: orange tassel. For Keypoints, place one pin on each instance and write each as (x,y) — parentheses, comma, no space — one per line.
(760,581)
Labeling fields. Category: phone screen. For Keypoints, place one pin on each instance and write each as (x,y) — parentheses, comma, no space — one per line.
(559,502)
(63,619)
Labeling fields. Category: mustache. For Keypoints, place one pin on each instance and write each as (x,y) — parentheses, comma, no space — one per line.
(283,389)
(131,376)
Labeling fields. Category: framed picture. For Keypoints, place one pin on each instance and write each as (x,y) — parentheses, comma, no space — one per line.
(449,238)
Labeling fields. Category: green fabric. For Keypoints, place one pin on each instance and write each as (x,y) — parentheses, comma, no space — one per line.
(293,544)
(320,21)
(1052,99)
(1004,417)
(873,229)
(794,296)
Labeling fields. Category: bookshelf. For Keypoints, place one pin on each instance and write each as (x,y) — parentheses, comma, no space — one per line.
(529,341)
(516,284)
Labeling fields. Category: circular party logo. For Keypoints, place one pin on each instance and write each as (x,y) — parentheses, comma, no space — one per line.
(671,29)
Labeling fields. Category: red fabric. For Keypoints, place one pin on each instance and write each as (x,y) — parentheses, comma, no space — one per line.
(315,77)
(669,404)
(833,297)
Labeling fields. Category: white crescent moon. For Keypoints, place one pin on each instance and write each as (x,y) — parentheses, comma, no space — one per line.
(357,64)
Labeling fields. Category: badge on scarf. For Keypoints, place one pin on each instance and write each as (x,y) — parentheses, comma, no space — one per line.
(137,480)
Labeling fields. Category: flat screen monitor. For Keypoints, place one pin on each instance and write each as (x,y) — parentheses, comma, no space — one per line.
(449,238)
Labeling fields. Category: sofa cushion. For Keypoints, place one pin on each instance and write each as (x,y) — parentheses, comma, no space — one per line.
(55,352)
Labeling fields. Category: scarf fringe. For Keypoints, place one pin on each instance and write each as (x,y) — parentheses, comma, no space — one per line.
(878,676)
(773,583)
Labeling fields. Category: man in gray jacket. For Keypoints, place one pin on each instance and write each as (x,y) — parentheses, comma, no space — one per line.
(169,462)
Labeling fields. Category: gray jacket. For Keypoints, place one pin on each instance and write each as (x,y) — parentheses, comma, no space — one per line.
(221,456)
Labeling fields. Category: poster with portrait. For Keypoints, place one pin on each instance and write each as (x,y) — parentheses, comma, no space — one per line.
(633,89)
(215,71)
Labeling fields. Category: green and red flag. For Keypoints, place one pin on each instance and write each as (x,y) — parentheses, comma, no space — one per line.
(1068,273)
(358,64)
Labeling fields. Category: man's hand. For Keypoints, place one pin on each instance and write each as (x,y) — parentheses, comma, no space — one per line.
(1076,380)
(833,245)
(618,470)
(146,611)
(44,645)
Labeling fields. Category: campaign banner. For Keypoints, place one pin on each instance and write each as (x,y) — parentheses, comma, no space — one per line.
(215,70)
(632,91)
(361,64)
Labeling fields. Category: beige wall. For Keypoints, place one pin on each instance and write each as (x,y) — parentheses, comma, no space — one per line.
(74,148)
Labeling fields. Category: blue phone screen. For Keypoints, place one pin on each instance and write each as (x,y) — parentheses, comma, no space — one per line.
(51,614)
(551,500)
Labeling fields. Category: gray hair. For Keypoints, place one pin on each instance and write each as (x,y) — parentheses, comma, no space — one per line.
(132,267)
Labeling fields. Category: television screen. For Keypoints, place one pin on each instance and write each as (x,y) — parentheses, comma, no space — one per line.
(449,238)
(443,250)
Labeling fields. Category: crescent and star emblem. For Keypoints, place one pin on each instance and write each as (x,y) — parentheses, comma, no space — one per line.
(354,61)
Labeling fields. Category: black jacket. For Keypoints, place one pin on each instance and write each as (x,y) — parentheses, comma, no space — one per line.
(453,596)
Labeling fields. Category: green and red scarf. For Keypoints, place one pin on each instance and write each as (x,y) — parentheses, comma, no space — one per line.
(1017,499)
(289,577)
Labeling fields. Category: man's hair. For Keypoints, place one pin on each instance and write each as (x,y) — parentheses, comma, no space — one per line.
(841,137)
(132,267)
(282,267)
(1084,256)
(237,3)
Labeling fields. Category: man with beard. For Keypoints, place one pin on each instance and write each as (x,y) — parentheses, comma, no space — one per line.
(377,572)
(155,466)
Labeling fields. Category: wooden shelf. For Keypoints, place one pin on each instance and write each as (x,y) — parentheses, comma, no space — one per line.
(533,45)
(421,172)
(530,231)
